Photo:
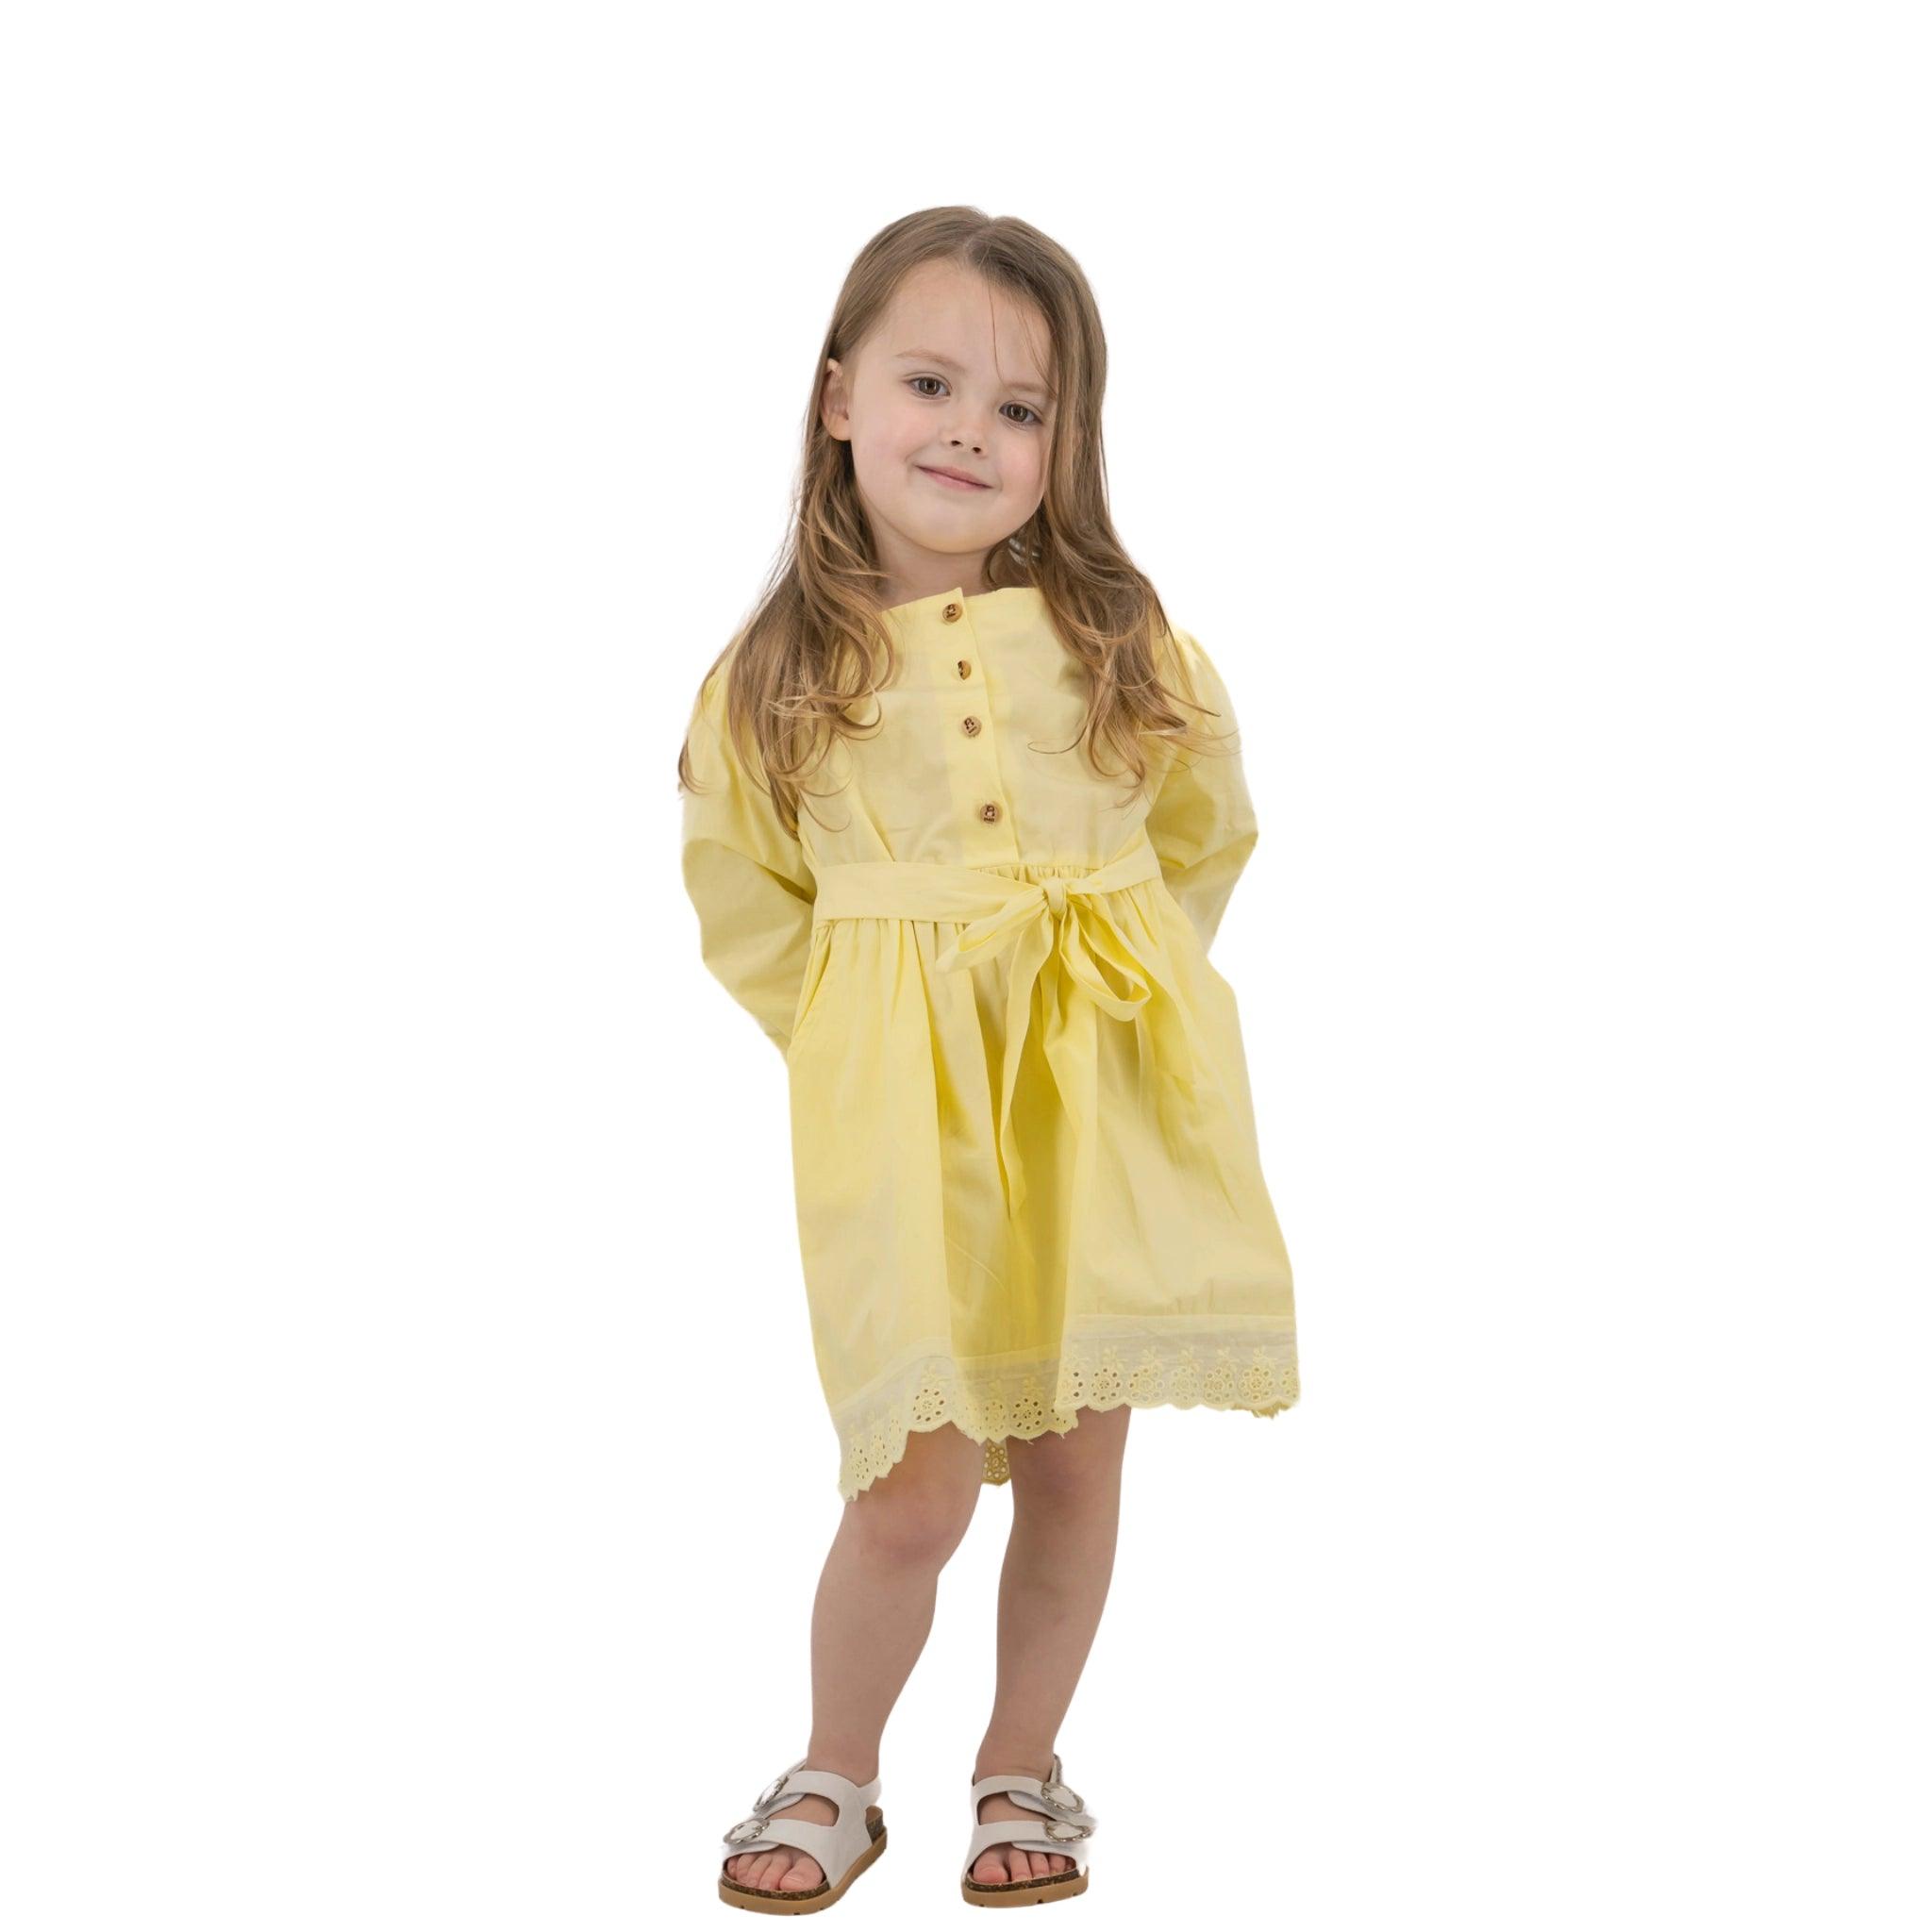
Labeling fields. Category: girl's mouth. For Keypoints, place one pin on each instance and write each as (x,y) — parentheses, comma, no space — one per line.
(950,482)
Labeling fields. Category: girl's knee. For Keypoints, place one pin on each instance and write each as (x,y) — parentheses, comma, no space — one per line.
(1082,1464)
(918,1511)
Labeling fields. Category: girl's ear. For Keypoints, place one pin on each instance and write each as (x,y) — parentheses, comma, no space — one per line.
(834,407)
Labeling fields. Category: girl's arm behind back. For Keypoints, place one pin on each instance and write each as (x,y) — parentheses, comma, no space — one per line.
(1202,820)
(745,875)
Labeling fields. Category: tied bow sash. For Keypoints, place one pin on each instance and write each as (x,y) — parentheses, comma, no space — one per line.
(1055,928)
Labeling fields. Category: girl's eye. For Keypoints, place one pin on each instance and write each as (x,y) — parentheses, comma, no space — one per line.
(1032,413)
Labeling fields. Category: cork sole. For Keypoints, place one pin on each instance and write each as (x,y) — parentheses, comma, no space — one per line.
(1024,1891)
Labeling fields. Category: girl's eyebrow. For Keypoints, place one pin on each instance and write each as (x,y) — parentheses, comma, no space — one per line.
(1022,388)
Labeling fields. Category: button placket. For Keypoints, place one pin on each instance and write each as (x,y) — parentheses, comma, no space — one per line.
(989,806)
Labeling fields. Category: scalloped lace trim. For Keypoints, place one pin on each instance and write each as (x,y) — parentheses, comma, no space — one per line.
(1259,1373)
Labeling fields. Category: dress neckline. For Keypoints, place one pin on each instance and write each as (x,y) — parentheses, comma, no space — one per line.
(958,596)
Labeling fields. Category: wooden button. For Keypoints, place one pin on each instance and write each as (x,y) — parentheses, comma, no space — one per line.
(951,614)
(965,669)
(970,727)
(989,810)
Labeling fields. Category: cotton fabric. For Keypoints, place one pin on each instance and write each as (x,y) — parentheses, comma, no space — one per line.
(1026,1170)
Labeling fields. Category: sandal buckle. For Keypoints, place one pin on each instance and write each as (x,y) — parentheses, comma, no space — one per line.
(1061,1797)
(1061,1832)
(769,1796)
(744,1831)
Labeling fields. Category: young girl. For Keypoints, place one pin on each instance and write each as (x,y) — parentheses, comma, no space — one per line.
(957,844)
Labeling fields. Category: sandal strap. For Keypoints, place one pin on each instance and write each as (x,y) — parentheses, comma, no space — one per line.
(802,1835)
(1052,1795)
(835,1846)
(1052,1814)
(795,1780)
(803,1777)
(991,1832)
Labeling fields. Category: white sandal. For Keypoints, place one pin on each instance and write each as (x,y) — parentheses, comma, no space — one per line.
(842,1849)
(1068,1825)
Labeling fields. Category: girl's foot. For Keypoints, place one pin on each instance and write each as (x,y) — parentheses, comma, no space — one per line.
(787,1868)
(999,1864)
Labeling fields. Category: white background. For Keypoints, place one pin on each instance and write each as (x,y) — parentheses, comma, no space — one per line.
(413,1471)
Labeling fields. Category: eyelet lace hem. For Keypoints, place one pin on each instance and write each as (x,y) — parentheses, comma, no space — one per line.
(992,1402)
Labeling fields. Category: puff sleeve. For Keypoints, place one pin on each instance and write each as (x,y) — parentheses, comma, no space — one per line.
(1202,820)
(745,875)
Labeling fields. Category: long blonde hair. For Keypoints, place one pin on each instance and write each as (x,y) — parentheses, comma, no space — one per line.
(816,644)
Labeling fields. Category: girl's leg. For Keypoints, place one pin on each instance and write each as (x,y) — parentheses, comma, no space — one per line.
(1059,1559)
(870,1620)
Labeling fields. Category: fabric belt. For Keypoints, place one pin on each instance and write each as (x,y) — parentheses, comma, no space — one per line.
(1059,922)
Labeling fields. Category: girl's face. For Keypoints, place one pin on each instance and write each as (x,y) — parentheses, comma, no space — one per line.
(953,377)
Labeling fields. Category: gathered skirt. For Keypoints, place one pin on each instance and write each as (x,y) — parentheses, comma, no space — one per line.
(1026,1164)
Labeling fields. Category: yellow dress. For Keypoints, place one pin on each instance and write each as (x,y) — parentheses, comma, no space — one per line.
(1023,1147)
